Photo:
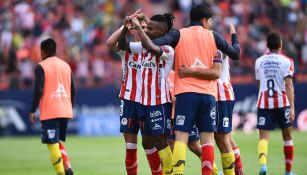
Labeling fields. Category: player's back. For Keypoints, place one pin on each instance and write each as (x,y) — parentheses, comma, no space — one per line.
(196,49)
(271,69)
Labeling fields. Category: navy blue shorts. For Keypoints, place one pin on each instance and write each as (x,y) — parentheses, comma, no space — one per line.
(129,111)
(54,130)
(155,120)
(224,116)
(267,118)
(194,108)
(193,135)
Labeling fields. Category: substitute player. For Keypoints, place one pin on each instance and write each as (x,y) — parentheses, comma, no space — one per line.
(156,105)
(130,95)
(274,73)
(54,92)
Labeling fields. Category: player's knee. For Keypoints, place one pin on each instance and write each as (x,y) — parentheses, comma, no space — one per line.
(161,142)
(147,143)
(195,148)
(286,134)
(222,142)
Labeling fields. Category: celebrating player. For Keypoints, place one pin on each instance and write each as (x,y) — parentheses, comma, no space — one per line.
(130,95)
(274,73)
(156,105)
(54,92)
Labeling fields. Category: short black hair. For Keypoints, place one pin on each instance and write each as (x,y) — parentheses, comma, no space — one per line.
(200,12)
(48,46)
(168,18)
(273,41)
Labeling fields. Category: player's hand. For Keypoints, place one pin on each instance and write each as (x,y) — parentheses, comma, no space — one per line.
(232,29)
(32,118)
(128,23)
(184,71)
(135,22)
(292,114)
(136,13)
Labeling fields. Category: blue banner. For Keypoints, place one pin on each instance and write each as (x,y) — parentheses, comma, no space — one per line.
(96,111)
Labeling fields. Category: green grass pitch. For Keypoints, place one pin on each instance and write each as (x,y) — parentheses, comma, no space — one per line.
(105,156)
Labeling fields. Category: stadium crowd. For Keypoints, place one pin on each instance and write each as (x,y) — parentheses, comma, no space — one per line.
(82,27)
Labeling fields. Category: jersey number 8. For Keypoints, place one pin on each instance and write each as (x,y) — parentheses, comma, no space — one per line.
(270,85)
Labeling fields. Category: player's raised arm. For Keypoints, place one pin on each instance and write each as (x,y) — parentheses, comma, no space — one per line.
(112,41)
(233,50)
(146,42)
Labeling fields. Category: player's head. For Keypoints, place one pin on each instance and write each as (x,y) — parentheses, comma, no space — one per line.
(201,13)
(159,25)
(143,22)
(274,42)
(48,48)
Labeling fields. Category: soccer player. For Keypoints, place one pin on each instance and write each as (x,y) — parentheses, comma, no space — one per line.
(196,47)
(156,105)
(274,73)
(130,95)
(54,92)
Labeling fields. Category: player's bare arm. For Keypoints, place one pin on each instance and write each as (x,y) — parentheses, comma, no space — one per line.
(290,95)
(146,42)
(205,74)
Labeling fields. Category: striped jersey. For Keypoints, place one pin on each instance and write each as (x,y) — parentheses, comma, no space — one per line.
(270,70)
(131,85)
(224,87)
(155,71)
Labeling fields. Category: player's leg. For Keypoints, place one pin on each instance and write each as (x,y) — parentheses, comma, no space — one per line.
(285,124)
(159,119)
(206,125)
(50,136)
(185,112)
(66,162)
(152,154)
(265,123)
(238,162)
(222,136)
(195,147)
(129,127)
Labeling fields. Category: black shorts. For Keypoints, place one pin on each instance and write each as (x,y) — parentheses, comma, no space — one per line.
(54,130)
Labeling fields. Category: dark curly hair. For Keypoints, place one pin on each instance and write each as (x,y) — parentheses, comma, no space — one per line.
(168,18)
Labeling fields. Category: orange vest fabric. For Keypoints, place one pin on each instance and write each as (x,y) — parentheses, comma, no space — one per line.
(196,49)
(56,98)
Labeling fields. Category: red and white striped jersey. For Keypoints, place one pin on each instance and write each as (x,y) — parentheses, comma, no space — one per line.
(155,72)
(271,69)
(224,87)
(132,76)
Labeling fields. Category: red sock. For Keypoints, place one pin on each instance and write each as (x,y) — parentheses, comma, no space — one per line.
(131,159)
(64,156)
(154,161)
(207,158)
(238,161)
(289,154)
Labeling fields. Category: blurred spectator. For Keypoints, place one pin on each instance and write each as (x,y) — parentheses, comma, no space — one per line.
(81,28)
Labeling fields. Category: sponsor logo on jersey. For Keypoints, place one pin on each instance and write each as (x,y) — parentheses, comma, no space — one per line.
(198,64)
(135,65)
(60,92)
(149,65)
